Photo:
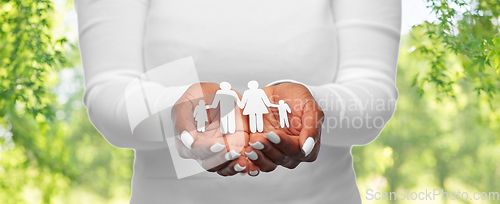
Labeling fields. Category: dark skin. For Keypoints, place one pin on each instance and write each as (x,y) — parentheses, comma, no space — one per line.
(305,120)
(182,116)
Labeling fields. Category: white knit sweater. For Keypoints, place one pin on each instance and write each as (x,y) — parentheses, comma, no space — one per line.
(344,51)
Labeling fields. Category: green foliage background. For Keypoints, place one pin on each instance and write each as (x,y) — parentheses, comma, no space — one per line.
(444,134)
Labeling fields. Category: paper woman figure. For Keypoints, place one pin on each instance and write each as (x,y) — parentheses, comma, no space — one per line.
(227,99)
(255,102)
(200,116)
(283,109)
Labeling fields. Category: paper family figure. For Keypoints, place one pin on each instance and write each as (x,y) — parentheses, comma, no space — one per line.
(226,99)
(200,116)
(283,109)
(254,104)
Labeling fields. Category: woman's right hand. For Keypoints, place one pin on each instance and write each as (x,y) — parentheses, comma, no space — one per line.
(287,146)
(214,151)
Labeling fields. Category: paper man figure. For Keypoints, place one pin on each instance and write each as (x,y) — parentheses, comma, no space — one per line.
(200,116)
(255,102)
(283,109)
(227,99)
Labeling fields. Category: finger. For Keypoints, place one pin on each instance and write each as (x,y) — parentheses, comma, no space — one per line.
(219,160)
(288,144)
(182,150)
(314,153)
(236,166)
(202,148)
(307,142)
(288,162)
(260,142)
(186,132)
(252,170)
(205,147)
(260,160)
(182,117)
(312,120)
(291,163)
(237,141)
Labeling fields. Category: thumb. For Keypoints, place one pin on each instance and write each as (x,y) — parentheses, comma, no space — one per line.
(312,121)
(307,141)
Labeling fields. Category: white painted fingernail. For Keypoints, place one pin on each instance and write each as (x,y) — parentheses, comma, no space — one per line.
(257,145)
(232,155)
(252,155)
(187,139)
(254,173)
(308,146)
(217,147)
(273,137)
(228,156)
(239,168)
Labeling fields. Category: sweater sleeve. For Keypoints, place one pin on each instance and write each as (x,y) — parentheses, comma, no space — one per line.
(362,98)
(126,105)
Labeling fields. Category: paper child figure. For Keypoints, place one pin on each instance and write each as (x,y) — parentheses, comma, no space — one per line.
(255,102)
(200,116)
(227,99)
(283,109)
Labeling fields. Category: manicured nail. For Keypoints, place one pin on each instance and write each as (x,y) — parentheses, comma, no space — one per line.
(217,147)
(252,155)
(187,139)
(239,168)
(254,173)
(257,145)
(273,137)
(232,155)
(308,146)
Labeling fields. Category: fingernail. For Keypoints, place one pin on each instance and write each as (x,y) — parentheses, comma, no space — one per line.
(254,173)
(239,168)
(252,155)
(231,155)
(187,139)
(308,146)
(257,145)
(217,147)
(273,137)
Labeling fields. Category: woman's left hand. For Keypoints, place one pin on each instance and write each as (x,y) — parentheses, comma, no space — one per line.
(287,146)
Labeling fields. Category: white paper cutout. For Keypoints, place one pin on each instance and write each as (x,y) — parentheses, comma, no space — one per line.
(254,103)
(200,116)
(226,99)
(283,109)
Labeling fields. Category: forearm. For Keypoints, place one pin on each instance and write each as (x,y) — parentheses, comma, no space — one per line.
(362,98)
(111,41)
(107,109)
(127,108)
(356,112)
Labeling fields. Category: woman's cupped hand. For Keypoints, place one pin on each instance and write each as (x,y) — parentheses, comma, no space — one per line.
(242,151)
